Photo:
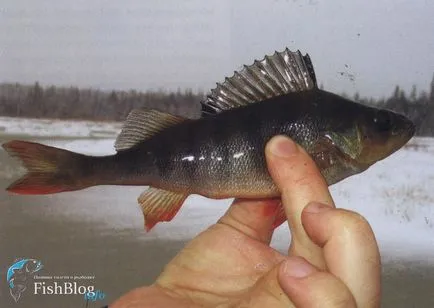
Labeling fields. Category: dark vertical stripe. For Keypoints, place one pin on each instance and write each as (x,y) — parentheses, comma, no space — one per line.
(190,144)
(162,158)
(253,125)
(226,141)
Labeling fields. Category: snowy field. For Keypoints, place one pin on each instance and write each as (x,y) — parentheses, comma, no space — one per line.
(395,195)
(56,128)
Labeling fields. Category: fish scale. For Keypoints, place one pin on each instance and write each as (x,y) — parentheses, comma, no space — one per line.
(221,155)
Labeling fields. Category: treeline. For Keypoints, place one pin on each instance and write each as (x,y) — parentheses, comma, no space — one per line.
(35,101)
(418,106)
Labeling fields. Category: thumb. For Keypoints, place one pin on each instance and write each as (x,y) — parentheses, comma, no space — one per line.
(306,286)
(297,283)
(300,182)
(267,292)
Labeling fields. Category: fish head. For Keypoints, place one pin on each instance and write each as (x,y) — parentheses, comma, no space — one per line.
(351,136)
(380,133)
(33,266)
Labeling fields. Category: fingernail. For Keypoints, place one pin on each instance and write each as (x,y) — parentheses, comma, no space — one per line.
(297,267)
(316,207)
(283,147)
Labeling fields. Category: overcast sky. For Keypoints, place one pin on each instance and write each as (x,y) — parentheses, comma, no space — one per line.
(136,44)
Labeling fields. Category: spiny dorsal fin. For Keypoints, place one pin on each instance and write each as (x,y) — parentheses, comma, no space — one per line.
(142,124)
(159,205)
(282,73)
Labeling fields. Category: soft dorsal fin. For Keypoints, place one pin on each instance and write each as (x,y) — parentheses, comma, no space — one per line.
(142,124)
(282,73)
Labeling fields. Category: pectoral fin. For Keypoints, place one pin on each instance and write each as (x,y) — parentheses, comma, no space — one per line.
(348,143)
(159,205)
(333,155)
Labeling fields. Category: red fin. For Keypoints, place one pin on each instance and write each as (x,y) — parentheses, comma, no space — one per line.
(44,164)
(280,217)
(159,205)
(36,184)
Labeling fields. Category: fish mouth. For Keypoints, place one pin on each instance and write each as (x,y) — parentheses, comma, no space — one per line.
(406,128)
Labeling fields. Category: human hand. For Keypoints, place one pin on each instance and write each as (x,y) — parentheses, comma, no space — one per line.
(333,259)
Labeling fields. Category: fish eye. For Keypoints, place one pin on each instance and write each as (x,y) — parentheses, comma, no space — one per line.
(382,121)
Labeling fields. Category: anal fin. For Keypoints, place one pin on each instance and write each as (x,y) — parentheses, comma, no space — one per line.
(159,205)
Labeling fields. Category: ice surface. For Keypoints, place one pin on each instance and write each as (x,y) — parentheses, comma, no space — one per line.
(58,128)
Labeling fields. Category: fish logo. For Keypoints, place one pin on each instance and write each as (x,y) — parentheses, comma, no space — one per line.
(18,274)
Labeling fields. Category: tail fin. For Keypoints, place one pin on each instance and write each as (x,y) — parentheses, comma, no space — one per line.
(50,170)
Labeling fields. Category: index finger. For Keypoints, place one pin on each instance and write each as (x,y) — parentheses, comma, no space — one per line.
(350,249)
(300,182)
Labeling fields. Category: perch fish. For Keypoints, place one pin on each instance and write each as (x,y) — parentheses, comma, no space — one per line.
(221,154)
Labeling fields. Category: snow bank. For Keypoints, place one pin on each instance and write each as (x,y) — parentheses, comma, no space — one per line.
(58,128)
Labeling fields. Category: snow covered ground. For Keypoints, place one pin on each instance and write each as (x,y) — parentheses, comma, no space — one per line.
(395,195)
(58,128)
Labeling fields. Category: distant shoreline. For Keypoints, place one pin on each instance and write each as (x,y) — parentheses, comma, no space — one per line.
(77,104)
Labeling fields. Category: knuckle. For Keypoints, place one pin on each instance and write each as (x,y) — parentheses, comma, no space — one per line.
(353,221)
(302,179)
(296,171)
(305,179)
(354,225)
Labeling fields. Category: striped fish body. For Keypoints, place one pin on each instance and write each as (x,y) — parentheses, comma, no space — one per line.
(222,155)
